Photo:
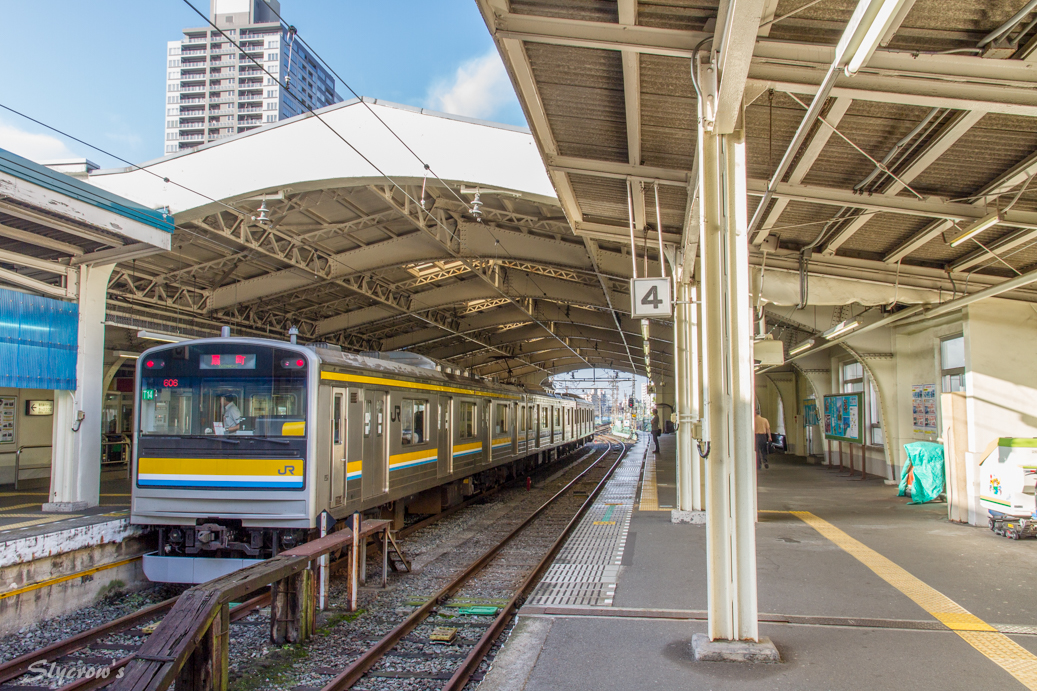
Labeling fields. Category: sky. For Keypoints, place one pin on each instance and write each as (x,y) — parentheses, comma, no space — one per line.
(97,70)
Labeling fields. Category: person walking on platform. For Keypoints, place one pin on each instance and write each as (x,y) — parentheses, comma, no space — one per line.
(762,426)
(656,430)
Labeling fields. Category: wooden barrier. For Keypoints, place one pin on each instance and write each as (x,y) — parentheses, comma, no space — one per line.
(190,645)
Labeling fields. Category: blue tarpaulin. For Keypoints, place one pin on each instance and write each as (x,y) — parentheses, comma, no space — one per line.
(39,341)
(926,460)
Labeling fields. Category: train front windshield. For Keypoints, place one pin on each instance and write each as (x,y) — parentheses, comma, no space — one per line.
(223,389)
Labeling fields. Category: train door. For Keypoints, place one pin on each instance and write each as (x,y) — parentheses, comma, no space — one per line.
(375,474)
(446,436)
(338,447)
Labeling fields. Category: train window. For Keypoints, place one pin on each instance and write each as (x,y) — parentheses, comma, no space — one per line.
(380,405)
(466,420)
(367,419)
(500,423)
(336,421)
(558,417)
(412,417)
(543,417)
(522,418)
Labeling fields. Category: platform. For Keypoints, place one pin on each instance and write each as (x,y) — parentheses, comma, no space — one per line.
(952,609)
(21,512)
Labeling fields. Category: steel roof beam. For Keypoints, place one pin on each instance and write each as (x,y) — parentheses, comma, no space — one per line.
(946,139)
(813,149)
(739,21)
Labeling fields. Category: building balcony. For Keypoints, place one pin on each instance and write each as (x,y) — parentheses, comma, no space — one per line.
(250,109)
(200,87)
(191,137)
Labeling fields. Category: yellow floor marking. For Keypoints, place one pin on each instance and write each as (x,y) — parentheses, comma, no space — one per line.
(649,491)
(23,494)
(18,506)
(69,577)
(4,516)
(999,648)
(38,521)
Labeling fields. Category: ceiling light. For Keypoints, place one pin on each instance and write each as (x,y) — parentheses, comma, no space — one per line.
(805,345)
(841,328)
(165,338)
(988,221)
(871,19)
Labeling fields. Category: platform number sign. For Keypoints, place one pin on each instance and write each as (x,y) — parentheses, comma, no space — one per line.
(650,297)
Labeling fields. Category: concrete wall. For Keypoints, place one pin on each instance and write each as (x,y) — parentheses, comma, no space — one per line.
(29,431)
(1001,381)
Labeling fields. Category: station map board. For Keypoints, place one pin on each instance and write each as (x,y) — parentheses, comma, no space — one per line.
(844,417)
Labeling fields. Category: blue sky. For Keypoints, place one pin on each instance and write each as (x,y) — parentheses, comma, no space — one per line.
(97,69)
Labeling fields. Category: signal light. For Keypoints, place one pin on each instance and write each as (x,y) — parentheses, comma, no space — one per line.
(154,364)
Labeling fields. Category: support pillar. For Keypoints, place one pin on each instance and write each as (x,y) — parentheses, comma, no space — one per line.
(689,463)
(728,374)
(75,482)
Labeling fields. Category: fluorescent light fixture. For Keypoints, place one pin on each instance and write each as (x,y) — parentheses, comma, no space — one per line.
(869,23)
(988,221)
(805,345)
(165,338)
(841,328)
(126,354)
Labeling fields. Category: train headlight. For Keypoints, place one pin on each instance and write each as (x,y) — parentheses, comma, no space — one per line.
(288,540)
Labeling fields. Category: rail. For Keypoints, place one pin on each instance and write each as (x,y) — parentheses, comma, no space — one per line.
(190,645)
(355,671)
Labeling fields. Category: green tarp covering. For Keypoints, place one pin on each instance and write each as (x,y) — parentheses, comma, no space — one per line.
(926,459)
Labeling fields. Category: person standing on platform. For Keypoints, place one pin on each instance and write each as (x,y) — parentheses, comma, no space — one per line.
(656,430)
(762,426)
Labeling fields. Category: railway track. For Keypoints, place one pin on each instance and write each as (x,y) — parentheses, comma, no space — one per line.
(108,648)
(405,653)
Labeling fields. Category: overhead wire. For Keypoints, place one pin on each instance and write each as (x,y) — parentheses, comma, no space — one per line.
(362,101)
(388,178)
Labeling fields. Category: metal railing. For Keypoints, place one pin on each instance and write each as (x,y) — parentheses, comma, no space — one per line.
(127,453)
(18,461)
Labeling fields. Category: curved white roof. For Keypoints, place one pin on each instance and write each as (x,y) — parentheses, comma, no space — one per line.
(303,153)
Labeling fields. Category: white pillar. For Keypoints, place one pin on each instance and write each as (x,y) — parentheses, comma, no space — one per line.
(689,490)
(75,482)
(728,374)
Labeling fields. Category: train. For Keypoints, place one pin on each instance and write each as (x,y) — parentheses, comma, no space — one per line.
(242,444)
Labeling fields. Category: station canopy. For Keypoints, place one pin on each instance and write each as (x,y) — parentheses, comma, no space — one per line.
(935,135)
(318,223)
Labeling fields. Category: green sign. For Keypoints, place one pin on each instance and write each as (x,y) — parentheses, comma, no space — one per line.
(149,394)
(844,417)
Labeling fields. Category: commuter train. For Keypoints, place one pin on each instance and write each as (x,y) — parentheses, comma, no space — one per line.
(242,443)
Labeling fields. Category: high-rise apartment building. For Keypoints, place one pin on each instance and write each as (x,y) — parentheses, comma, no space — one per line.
(213,88)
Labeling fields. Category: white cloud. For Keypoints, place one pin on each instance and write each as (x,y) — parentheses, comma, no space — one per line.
(33,146)
(480,88)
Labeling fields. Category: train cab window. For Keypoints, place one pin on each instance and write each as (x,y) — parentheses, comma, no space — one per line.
(466,420)
(412,418)
(367,419)
(500,423)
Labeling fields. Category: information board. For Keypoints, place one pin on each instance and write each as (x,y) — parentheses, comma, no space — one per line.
(810,416)
(7,410)
(923,408)
(844,420)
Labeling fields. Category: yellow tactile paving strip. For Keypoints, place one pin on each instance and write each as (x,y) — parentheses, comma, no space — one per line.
(649,490)
(1009,655)
(38,521)
(5,509)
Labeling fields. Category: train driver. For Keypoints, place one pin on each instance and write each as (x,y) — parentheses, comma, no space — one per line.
(231,414)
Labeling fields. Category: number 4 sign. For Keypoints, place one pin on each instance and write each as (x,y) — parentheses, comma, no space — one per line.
(650,297)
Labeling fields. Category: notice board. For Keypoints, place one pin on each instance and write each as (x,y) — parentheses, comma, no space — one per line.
(844,417)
